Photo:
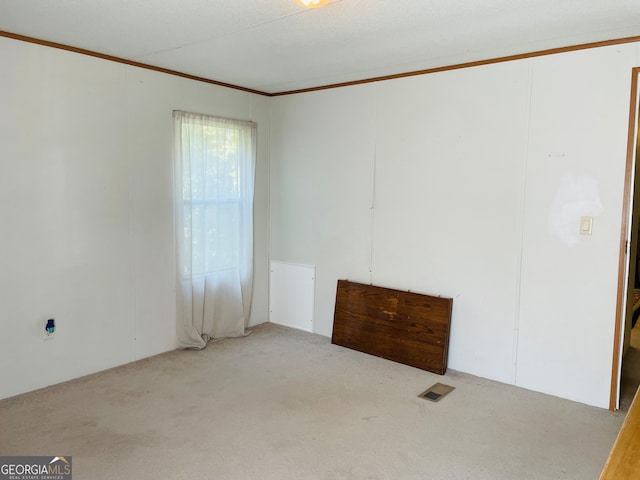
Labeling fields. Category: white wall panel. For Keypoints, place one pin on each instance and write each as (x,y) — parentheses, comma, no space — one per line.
(321,188)
(577,154)
(448,202)
(64,209)
(292,295)
(468,165)
(152,98)
(87,210)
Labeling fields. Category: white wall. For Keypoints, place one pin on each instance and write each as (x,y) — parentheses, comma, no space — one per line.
(321,187)
(578,132)
(467,166)
(440,184)
(86,210)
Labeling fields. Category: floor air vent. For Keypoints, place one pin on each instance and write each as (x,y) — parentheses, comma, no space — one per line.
(436,392)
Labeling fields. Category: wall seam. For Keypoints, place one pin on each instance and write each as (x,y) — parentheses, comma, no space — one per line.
(269,211)
(132,240)
(373,180)
(520,247)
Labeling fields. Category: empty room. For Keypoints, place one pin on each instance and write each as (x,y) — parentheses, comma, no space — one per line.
(319,239)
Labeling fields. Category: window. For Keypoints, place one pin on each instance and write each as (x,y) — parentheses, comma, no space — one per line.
(216,170)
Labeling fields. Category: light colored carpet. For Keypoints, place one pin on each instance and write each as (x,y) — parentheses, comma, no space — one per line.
(282,404)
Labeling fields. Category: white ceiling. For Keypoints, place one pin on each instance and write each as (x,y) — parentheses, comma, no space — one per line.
(277,45)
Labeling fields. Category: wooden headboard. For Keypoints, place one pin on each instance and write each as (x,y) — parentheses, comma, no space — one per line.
(405,327)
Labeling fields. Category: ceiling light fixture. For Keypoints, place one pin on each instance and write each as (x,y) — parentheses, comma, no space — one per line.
(313,3)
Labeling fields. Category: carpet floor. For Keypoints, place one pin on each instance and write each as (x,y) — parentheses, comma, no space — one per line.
(283,404)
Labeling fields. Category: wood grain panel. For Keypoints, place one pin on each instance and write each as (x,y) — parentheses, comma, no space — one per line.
(405,327)
(624,459)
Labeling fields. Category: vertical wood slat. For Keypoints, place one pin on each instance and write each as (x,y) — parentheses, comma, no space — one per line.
(405,327)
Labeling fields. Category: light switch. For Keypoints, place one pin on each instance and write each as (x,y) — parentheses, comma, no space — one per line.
(586,225)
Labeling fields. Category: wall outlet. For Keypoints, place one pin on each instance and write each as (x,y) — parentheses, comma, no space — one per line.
(46,334)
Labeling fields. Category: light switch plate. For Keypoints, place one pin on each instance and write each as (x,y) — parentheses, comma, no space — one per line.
(586,225)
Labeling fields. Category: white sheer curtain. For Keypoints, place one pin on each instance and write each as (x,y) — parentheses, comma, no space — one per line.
(214,174)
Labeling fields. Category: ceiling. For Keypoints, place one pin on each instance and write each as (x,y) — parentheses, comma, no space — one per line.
(277,45)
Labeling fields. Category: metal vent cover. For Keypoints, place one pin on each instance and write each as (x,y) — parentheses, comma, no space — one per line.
(436,392)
